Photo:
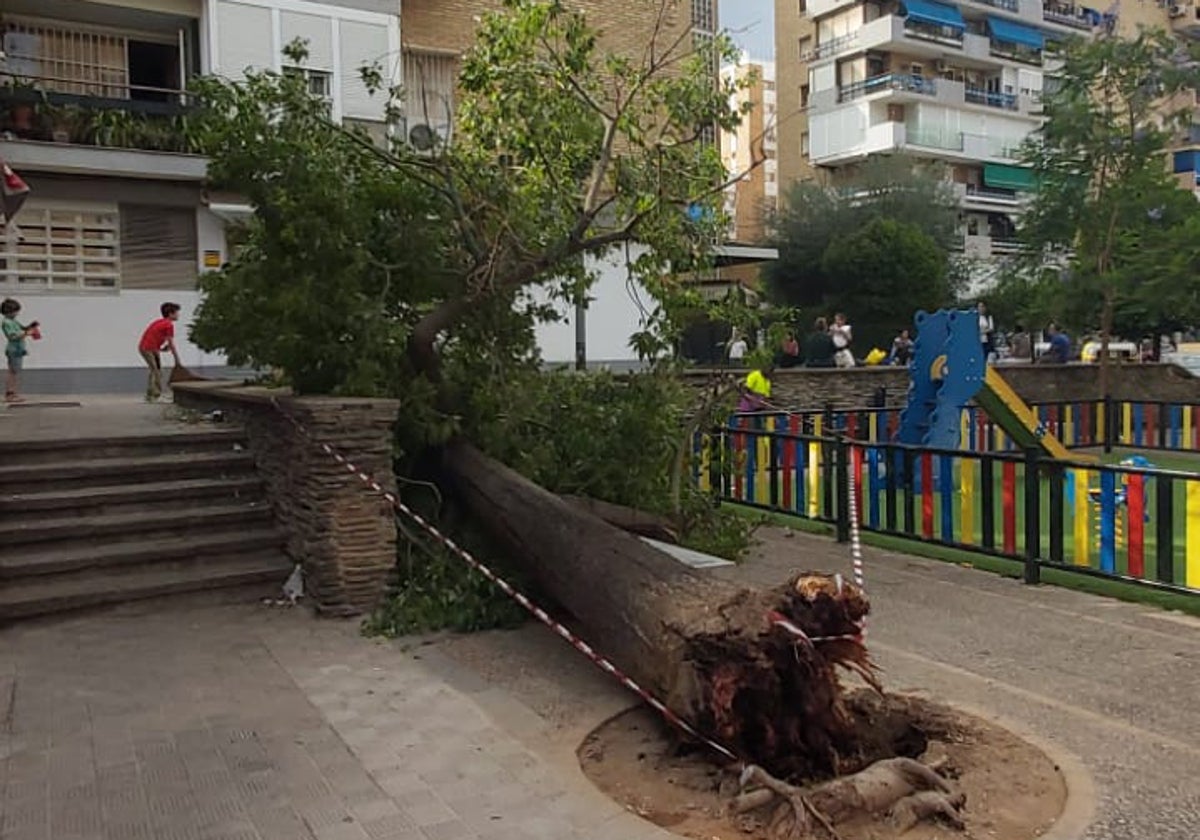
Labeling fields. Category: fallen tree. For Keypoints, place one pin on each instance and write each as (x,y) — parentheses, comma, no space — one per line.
(413,276)
(716,653)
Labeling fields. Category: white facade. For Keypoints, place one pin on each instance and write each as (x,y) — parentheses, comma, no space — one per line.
(618,307)
(111,229)
(953,82)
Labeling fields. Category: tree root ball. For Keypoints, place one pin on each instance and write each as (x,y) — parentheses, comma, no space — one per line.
(924,764)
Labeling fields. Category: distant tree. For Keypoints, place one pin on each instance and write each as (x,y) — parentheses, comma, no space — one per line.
(814,218)
(1105,196)
(878,267)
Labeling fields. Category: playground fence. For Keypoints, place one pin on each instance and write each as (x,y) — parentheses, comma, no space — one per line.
(1146,424)
(1141,525)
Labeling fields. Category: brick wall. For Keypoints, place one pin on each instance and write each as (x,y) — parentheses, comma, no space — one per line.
(803,388)
(342,533)
(449,25)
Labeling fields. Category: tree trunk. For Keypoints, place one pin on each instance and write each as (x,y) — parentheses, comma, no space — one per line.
(1106,325)
(713,651)
(627,519)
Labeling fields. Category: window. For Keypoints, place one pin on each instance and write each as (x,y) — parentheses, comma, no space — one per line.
(430,80)
(320,82)
(158,247)
(704,15)
(803,7)
(803,96)
(55,246)
(804,144)
(805,48)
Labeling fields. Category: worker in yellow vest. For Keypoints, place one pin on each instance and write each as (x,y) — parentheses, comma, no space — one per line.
(756,389)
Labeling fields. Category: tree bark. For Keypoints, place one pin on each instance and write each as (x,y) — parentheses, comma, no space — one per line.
(713,651)
(627,519)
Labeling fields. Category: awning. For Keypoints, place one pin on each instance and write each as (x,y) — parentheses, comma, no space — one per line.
(937,14)
(1005,177)
(1016,33)
(232,212)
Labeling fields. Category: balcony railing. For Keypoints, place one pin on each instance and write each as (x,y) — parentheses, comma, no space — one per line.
(1006,5)
(152,119)
(1068,15)
(951,141)
(888,81)
(829,48)
(1016,52)
(980,96)
(931,32)
(992,194)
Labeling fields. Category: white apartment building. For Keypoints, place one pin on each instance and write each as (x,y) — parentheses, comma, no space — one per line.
(953,82)
(749,201)
(92,100)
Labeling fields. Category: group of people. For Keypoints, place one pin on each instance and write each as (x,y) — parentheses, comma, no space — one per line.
(827,346)
(156,338)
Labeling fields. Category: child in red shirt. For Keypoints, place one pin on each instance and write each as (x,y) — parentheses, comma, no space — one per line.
(159,336)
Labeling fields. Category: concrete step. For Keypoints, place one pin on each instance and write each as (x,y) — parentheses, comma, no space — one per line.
(71,450)
(100,472)
(102,529)
(41,596)
(57,559)
(78,501)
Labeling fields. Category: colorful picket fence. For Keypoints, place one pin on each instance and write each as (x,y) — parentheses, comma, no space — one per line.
(1140,524)
(1079,425)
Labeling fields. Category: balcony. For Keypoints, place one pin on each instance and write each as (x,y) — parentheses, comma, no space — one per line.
(1005,5)
(1068,14)
(976,197)
(888,82)
(979,96)
(1016,52)
(837,46)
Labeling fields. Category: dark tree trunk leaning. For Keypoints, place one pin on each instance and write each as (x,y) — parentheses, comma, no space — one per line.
(708,648)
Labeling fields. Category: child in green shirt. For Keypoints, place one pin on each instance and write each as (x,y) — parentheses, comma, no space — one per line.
(14,347)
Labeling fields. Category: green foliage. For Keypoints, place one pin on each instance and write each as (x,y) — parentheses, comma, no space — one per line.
(1106,204)
(815,219)
(439,591)
(388,271)
(885,262)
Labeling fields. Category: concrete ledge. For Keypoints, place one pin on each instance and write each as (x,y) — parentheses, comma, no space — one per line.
(342,532)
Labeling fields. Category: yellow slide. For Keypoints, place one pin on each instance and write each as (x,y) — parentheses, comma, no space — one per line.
(1010,413)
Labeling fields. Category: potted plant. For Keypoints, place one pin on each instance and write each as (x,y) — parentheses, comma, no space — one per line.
(22,99)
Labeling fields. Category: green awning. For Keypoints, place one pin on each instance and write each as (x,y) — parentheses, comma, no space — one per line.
(1005,177)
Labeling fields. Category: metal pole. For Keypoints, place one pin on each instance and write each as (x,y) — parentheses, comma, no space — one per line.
(581,335)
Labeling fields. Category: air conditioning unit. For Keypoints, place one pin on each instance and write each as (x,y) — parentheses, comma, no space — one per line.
(941,65)
(1177,11)
(425,139)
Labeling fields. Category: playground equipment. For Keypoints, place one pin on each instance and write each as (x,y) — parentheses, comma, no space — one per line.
(948,370)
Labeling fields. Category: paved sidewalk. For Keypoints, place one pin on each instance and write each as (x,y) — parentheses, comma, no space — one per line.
(247,723)
(244,723)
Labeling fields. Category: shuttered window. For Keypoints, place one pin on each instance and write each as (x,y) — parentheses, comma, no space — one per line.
(55,246)
(430,80)
(158,247)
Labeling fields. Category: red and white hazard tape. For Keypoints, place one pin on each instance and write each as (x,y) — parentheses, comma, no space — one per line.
(508,589)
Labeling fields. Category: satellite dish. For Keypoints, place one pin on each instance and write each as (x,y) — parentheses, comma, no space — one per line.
(422,137)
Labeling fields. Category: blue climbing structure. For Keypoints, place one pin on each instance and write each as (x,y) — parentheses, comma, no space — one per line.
(947,369)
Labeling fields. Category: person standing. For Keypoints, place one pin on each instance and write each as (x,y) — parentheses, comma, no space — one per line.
(14,349)
(737,349)
(756,389)
(843,336)
(1021,344)
(159,336)
(818,347)
(987,330)
(790,355)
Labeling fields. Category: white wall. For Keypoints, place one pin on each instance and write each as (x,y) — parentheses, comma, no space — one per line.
(253,33)
(102,331)
(613,315)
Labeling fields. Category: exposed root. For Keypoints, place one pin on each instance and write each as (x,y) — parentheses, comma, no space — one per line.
(904,791)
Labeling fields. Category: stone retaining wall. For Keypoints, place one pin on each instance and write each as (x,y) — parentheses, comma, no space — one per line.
(342,533)
(800,388)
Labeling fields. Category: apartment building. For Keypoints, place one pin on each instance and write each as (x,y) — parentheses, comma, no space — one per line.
(93,100)
(952,82)
(751,200)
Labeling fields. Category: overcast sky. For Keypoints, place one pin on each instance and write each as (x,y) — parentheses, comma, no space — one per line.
(752,25)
